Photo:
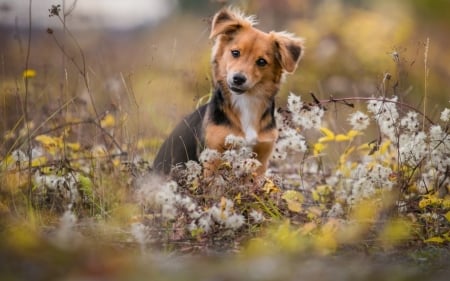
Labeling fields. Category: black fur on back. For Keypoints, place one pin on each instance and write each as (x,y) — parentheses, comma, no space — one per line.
(183,144)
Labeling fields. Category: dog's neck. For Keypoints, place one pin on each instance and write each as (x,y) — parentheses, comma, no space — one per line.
(247,111)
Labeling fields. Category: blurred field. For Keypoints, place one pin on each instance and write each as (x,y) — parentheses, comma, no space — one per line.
(115,94)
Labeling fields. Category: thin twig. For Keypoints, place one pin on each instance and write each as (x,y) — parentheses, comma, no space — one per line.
(402,104)
(425,96)
(25,103)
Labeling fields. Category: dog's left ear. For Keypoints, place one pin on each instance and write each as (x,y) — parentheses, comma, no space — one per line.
(228,21)
(289,50)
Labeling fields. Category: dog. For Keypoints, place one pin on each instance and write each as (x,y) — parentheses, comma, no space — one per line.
(248,67)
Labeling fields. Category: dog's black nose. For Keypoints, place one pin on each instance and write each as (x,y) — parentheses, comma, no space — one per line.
(239,79)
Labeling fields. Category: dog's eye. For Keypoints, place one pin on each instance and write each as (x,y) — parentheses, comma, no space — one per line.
(261,62)
(235,53)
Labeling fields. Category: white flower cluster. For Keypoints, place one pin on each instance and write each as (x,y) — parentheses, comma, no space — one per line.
(445,115)
(165,198)
(256,216)
(19,156)
(289,140)
(16,158)
(437,163)
(386,115)
(140,233)
(66,186)
(336,211)
(412,143)
(412,148)
(410,122)
(431,150)
(440,149)
(295,103)
(359,121)
(239,157)
(222,214)
(193,171)
(364,181)
(209,155)
(426,151)
(307,117)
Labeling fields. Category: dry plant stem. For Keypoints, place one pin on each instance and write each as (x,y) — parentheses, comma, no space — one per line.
(132,100)
(425,97)
(32,134)
(81,69)
(25,103)
(401,104)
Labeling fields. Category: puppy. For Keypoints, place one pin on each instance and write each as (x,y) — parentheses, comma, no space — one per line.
(248,66)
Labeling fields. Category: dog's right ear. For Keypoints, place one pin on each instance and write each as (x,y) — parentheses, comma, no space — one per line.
(289,50)
(228,21)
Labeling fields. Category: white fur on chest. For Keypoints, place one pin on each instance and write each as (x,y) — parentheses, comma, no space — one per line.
(244,104)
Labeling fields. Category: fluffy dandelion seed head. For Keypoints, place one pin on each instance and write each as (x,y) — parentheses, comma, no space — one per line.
(439,155)
(412,148)
(218,215)
(139,232)
(251,165)
(280,151)
(287,132)
(359,121)
(336,211)
(445,115)
(155,193)
(205,223)
(234,221)
(379,175)
(235,142)
(402,206)
(192,226)
(386,114)
(382,105)
(374,106)
(295,103)
(18,155)
(245,167)
(209,155)
(193,170)
(290,140)
(256,216)
(410,122)
(310,118)
(436,133)
(231,156)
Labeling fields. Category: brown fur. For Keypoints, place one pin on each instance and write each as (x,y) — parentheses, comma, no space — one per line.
(248,66)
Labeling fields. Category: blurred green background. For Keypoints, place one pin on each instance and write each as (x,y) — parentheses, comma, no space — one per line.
(152,71)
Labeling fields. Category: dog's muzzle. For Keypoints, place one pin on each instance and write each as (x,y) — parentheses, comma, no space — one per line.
(237,83)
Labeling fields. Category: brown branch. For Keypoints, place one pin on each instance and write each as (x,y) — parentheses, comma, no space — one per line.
(345,101)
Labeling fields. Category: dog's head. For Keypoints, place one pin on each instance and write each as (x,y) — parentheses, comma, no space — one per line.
(248,60)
